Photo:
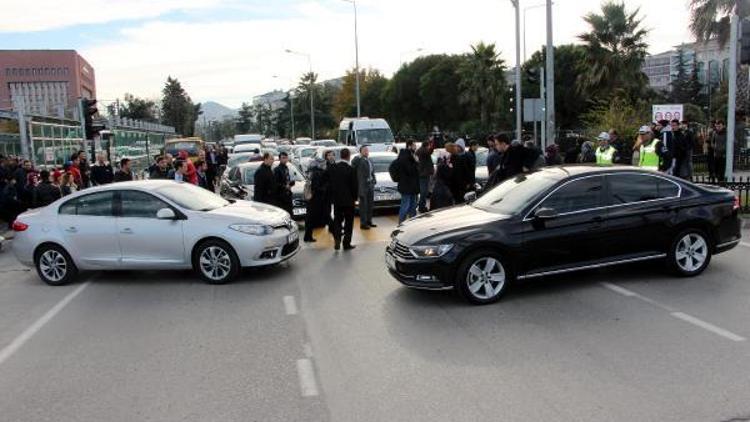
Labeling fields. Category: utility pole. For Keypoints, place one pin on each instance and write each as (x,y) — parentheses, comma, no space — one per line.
(291,112)
(542,93)
(20,111)
(519,128)
(356,54)
(550,77)
(732,106)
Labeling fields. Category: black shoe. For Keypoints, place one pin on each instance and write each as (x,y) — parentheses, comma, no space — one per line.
(337,246)
(373,225)
(310,240)
(349,247)
(364,227)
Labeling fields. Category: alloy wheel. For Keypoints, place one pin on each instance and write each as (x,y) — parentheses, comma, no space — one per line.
(53,265)
(691,252)
(215,263)
(486,278)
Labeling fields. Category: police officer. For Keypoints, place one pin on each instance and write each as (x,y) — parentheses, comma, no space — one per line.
(648,158)
(605,154)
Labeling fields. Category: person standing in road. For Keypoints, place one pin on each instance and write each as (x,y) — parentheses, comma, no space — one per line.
(75,170)
(190,173)
(605,154)
(471,165)
(45,192)
(124,174)
(493,156)
(265,187)
(511,163)
(160,171)
(621,155)
(665,148)
(407,172)
(212,162)
(366,181)
(101,171)
(647,156)
(343,184)
(200,170)
(442,196)
(319,204)
(178,174)
(718,146)
(426,171)
(682,150)
(84,168)
(283,184)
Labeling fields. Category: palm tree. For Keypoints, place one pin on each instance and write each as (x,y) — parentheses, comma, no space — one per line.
(710,18)
(482,82)
(614,52)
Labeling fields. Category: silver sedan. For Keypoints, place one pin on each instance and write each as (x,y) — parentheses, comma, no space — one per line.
(152,225)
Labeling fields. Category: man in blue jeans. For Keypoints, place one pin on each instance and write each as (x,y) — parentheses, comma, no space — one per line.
(408,181)
(426,170)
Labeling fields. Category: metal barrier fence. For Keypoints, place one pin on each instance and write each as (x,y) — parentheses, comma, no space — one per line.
(739,185)
(741,162)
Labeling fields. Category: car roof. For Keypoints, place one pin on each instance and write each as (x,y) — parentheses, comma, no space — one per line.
(570,170)
(383,154)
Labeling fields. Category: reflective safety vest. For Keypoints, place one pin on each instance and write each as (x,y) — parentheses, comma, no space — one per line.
(649,159)
(604,158)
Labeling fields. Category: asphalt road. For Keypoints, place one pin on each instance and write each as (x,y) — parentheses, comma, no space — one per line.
(330,336)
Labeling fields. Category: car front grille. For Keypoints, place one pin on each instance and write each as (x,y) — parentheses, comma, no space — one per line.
(401,250)
(289,248)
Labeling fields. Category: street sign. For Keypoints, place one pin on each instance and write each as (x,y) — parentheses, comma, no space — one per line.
(666,112)
(533,110)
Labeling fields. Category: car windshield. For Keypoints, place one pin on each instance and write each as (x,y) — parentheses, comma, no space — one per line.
(236,159)
(175,147)
(307,152)
(381,163)
(374,136)
(192,197)
(482,157)
(248,173)
(511,196)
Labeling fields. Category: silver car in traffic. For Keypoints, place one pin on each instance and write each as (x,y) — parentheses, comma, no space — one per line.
(152,225)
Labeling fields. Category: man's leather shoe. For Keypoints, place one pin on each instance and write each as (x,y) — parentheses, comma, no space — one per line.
(373,225)
(364,227)
(349,247)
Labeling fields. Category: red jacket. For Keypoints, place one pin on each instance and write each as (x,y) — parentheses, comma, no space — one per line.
(191,176)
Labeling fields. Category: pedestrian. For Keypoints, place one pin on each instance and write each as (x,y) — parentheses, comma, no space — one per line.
(426,171)
(84,168)
(75,170)
(190,172)
(10,203)
(160,171)
(511,164)
(552,155)
(101,171)
(264,186)
(283,184)
(471,165)
(665,148)
(442,196)
(46,192)
(213,161)
(605,153)
(685,169)
(20,176)
(493,156)
(67,183)
(588,154)
(533,157)
(682,150)
(366,181)
(406,172)
(718,147)
(622,156)
(647,156)
(124,174)
(319,202)
(178,174)
(343,186)
(200,170)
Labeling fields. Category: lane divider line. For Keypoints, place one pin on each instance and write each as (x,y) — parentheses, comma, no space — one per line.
(306,373)
(29,332)
(308,350)
(708,326)
(745,244)
(290,305)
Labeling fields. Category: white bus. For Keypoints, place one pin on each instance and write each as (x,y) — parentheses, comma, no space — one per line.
(365,131)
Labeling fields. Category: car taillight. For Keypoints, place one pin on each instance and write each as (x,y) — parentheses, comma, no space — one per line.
(736,205)
(19,226)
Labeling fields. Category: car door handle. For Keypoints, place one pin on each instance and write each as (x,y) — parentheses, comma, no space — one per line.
(71,229)
(126,231)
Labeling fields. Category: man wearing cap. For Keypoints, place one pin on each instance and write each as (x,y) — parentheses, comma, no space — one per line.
(647,157)
(605,154)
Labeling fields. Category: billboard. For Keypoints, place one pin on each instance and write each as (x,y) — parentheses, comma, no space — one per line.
(666,112)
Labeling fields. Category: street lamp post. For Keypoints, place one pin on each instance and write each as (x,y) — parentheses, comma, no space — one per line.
(312,92)
(356,54)
(518,69)
(525,9)
(550,88)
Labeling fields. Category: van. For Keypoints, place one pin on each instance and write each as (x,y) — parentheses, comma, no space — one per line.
(252,138)
(365,131)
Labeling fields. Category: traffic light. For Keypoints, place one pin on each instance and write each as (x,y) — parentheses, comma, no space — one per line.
(532,75)
(89,110)
(745,42)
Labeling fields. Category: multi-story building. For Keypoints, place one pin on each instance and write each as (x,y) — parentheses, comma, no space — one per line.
(711,63)
(45,82)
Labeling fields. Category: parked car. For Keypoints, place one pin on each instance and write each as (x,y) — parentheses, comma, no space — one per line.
(564,219)
(302,156)
(481,173)
(386,192)
(323,143)
(248,147)
(240,184)
(152,225)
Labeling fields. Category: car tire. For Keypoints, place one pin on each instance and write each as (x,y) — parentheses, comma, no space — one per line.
(689,253)
(483,277)
(54,265)
(216,262)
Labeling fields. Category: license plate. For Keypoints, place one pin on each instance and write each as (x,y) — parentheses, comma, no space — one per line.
(293,236)
(390,261)
(299,211)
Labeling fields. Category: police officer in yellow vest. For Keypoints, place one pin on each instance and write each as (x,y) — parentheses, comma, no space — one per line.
(605,154)
(648,158)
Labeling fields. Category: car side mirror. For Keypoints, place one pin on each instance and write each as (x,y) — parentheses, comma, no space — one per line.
(166,214)
(470,197)
(545,213)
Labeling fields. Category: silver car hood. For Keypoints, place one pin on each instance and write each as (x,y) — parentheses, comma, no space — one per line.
(384,180)
(253,211)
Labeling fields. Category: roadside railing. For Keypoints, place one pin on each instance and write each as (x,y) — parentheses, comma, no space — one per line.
(739,185)
(741,162)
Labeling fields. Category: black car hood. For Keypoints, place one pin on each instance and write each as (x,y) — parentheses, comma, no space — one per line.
(442,223)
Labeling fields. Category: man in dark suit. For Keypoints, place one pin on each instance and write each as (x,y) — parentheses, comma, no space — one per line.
(264,185)
(365,171)
(284,183)
(343,189)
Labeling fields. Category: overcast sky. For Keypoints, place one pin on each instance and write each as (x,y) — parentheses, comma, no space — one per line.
(229,50)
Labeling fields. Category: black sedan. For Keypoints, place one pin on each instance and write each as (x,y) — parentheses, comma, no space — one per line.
(564,219)
(239,183)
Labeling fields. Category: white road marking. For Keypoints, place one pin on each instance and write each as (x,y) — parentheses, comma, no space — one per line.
(306,374)
(19,341)
(617,289)
(708,326)
(629,293)
(290,305)
(745,244)
(308,350)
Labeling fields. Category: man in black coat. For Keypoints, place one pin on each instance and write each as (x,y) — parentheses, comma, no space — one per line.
(426,170)
(101,172)
(407,170)
(45,192)
(263,181)
(124,174)
(511,163)
(344,191)
(284,183)
(160,170)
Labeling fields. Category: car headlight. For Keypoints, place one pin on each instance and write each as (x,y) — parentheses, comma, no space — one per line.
(431,251)
(254,229)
